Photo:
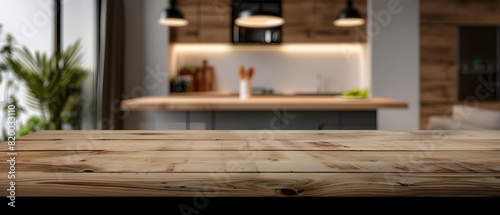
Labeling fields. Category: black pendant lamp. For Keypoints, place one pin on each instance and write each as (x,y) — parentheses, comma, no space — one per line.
(349,17)
(258,19)
(172,16)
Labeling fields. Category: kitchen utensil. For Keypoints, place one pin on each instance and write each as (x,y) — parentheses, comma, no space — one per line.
(204,77)
(200,81)
(192,75)
(208,76)
(249,84)
(250,73)
(181,83)
(242,73)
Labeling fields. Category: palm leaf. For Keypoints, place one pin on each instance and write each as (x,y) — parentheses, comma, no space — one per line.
(53,83)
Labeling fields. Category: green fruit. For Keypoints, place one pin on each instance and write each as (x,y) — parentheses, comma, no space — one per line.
(364,93)
(357,93)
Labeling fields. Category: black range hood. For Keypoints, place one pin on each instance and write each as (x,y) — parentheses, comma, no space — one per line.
(253,35)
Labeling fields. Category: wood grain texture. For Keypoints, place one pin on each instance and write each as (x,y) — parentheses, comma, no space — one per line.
(305,22)
(484,12)
(215,21)
(209,22)
(258,103)
(257,163)
(312,22)
(438,91)
(259,185)
(439,20)
(191,32)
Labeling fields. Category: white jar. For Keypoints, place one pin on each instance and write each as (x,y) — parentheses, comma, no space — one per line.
(244,89)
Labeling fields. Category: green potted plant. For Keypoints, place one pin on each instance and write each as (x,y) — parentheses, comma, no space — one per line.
(53,84)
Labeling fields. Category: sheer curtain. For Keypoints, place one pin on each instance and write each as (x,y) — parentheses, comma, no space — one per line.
(111,55)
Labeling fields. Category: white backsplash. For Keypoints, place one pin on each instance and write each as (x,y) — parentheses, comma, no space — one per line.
(284,68)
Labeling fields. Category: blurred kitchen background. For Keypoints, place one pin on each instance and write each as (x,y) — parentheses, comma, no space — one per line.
(441,57)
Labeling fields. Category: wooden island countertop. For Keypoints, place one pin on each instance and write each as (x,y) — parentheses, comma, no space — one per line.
(258,103)
(256,163)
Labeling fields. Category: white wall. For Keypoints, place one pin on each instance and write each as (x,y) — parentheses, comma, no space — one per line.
(393,43)
(30,21)
(146,47)
(283,68)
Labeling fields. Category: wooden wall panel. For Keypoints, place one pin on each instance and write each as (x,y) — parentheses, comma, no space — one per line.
(464,12)
(438,48)
(209,22)
(312,22)
(189,33)
(299,20)
(438,91)
(327,11)
(433,71)
(215,21)
(305,22)
(439,20)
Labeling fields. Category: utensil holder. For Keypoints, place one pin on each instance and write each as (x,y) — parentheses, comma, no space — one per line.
(244,89)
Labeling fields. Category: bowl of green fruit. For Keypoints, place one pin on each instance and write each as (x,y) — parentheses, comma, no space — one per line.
(355,94)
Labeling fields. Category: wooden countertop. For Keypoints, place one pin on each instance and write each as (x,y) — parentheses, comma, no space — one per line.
(256,163)
(258,103)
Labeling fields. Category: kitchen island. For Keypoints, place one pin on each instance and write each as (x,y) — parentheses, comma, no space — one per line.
(258,103)
(262,112)
(256,163)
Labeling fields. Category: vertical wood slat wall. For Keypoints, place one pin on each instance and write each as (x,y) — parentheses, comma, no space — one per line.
(438,51)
